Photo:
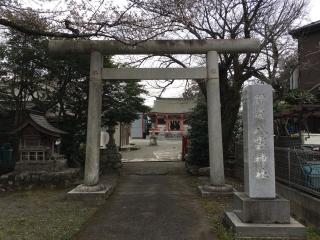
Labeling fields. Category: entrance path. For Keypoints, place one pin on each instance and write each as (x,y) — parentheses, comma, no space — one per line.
(153,201)
(166,150)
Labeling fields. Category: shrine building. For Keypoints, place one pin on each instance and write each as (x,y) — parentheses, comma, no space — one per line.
(171,115)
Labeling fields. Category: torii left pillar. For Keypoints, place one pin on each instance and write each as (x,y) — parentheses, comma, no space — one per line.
(91,172)
(217,182)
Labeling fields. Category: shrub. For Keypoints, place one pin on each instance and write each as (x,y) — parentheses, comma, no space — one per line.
(198,136)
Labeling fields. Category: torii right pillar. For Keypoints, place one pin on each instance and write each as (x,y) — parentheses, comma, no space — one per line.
(217,182)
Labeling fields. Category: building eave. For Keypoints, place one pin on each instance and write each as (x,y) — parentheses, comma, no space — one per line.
(305,30)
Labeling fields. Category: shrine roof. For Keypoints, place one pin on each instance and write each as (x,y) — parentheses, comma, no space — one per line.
(173,105)
(40,123)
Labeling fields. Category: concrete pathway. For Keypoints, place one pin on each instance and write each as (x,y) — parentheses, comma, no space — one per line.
(166,150)
(152,201)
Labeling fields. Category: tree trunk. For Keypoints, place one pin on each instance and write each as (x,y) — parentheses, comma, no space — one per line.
(230,104)
(229,114)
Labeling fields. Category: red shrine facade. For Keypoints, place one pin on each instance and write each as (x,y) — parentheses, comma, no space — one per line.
(170,116)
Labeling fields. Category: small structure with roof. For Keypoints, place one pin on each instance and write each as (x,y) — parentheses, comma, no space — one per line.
(171,115)
(37,145)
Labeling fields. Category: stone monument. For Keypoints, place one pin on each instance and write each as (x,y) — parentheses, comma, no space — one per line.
(259,212)
(153,139)
(110,157)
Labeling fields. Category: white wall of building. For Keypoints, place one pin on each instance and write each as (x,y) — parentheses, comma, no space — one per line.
(137,127)
(311,138)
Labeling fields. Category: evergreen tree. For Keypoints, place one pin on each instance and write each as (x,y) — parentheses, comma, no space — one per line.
(198,154)
(30,75)
(122,101)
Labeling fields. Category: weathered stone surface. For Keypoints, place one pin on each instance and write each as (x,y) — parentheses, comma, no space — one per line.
(91,171)
(217,181)
(153,73)
(113,47)
(26,179)
(153,141)
(258,144)
(93,194)
(4,178)
(130,147)
(214,121)
(258,213)
(251,210)
(205,171)
(86,189)
(302,205)
(241,230)
(47,165)
(110,159)
(192,169)
(214,191)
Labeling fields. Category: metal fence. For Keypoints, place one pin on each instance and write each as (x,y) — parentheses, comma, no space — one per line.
(294,167)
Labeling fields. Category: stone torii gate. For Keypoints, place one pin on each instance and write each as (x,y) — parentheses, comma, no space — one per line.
(157,47)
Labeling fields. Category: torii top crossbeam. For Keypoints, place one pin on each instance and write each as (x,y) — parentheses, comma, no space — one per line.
(156,47)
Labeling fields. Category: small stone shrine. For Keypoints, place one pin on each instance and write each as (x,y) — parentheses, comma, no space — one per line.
(37,148)
(259,212)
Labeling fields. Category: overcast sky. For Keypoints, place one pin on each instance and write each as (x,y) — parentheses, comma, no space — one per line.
(177,88)
(314,15)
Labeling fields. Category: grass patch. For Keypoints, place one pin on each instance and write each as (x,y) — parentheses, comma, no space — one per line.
(215,209)
(313,234)
(41,214)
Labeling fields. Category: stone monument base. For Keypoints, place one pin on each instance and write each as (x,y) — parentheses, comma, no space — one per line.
(153,141)
(94,194)
(242,230)
(110,158)
(213,191)
(251,210)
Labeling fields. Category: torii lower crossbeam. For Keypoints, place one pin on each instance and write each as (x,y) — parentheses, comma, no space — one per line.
(153,73)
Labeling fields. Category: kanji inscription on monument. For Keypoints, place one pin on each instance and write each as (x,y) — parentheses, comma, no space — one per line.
(258,142)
